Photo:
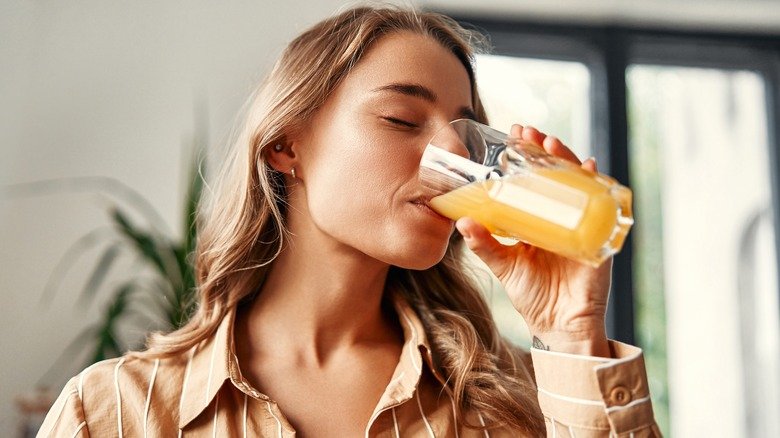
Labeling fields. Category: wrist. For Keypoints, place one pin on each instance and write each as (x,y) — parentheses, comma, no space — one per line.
(590,343)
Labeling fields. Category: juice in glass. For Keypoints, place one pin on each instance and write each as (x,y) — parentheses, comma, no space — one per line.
(526,194)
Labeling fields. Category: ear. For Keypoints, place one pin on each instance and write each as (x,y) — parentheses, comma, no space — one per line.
(282,155)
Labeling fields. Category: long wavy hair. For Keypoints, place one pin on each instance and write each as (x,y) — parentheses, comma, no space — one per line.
(241,222)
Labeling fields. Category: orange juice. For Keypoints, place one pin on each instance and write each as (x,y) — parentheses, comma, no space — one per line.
(569,211)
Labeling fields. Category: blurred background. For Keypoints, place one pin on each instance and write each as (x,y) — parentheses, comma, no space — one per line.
(104,106)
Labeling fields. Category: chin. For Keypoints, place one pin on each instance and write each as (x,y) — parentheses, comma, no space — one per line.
(418,265)
(419,255)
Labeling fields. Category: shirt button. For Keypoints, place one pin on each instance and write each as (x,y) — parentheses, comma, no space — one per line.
(620,396)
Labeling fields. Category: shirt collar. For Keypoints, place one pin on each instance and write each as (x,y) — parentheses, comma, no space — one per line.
(408,372)
(213,361)
(209,364)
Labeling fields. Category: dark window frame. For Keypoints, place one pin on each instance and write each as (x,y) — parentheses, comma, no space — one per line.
(608,50)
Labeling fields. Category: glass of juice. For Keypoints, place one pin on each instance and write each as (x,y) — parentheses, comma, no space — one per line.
(517,190)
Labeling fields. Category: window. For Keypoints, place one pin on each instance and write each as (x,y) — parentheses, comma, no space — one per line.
(690,122)
(550,95)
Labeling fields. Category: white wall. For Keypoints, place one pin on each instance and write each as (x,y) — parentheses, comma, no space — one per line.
(108,88)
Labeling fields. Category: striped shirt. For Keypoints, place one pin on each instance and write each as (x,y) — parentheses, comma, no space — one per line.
(201,393)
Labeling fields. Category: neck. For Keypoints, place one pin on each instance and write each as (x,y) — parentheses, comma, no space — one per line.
(329,293)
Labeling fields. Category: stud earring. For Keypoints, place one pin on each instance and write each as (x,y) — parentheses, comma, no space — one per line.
(292,170)
(278,147)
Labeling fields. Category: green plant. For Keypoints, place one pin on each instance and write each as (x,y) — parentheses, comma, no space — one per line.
(159,294)
(170,295)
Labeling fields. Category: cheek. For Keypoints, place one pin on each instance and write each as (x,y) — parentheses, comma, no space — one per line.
(344,200)
(357,191)
(352,182)
(360,172)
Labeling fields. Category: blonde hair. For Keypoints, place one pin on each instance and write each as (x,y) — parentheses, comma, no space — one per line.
(241,229)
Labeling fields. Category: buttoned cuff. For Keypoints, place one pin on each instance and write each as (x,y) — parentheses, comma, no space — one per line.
(593,392)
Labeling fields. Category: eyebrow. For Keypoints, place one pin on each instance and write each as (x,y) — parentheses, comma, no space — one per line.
(424,93)
(414,90)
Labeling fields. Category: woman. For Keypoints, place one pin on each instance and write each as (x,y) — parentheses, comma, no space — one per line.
(334,302)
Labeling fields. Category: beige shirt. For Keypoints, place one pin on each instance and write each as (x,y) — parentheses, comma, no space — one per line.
(201,393)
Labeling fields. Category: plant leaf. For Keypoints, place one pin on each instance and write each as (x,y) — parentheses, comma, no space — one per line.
(78,344)
(99,184)
(107,345)
(142,241)
(99,274)
(71,256)
(192,200)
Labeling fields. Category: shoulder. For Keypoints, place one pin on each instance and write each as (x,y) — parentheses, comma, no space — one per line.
(66,416)
(127,372)
(130,380)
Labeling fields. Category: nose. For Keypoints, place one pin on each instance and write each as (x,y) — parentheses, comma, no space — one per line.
(449,139)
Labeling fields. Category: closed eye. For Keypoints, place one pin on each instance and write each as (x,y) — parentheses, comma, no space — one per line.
(400,122)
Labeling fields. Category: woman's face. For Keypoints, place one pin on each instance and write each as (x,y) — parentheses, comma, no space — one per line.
(359,157)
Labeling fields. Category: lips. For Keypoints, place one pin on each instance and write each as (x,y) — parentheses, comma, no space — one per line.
(422,200)
(422,203)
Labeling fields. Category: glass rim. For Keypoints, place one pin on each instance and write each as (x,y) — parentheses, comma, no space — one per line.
(477,137)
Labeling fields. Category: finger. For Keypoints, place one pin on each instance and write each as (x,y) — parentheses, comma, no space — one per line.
(555,147)
(483,244)
(533,135)
(590,164)
(516,131)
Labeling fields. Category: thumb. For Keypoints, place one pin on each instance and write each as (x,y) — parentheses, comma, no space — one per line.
(483,244)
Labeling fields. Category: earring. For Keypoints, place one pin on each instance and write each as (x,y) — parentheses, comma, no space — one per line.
(292,170)
(278,147)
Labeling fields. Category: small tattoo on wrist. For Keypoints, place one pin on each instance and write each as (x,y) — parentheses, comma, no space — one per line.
(539,345)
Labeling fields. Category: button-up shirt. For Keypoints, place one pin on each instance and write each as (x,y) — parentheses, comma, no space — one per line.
(202,393)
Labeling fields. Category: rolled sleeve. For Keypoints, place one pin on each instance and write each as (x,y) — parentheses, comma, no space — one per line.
(595,396)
